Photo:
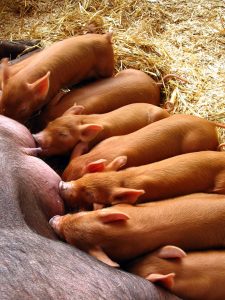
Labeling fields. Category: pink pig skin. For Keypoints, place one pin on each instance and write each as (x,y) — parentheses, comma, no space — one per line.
(197,276)
(63,133)
(172,136)
(124,232)
(102,96)
(63,63)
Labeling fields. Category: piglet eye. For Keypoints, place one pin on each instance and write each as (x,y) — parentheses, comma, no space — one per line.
(22,110)
(63,133)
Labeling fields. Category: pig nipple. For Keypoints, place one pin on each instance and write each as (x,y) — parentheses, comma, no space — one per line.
(33,151)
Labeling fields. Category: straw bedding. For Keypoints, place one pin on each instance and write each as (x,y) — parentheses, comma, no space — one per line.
(157,36)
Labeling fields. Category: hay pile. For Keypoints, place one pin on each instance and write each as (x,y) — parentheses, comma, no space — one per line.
(157,36)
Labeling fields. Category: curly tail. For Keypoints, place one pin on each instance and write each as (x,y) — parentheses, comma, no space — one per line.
(220,147)
(171,76)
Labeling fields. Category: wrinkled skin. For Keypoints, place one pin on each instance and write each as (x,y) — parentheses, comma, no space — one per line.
(64,133)
(34,264)
(202,171)
(19,144)
(32,87)
(125,232)
(198,276)
(102,96)
(165,138)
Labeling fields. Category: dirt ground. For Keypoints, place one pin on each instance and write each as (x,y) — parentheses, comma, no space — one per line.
(157,36)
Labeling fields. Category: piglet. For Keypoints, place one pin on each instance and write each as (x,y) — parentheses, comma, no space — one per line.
(197,275)
(62,64)
(62,134)
(105,95)
(202,171)
(102,96)
(34,264)
(172,136)
(122,232)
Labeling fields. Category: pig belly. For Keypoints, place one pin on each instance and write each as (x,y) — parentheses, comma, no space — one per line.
(33,263)
(34,267)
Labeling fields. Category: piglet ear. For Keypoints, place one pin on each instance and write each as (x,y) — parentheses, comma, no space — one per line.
(109,216)
(96,166)
(5,71)
(89,131)
(75,110)
(109,36)
(41,86)
(102,256)
(79,149)
(100,165)
(117,163)
(57,98)
(170,252)
(97,206)
(126,195)
(166,280)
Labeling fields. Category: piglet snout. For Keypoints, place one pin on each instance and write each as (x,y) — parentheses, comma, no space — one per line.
(36,139)
(64,185)
(55,224)
(42,141)
(68,192)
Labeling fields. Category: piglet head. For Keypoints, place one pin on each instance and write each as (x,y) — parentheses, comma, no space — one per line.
(86,230)
(159,266)
(62,134)
(166,253)
(74,195)
(20,99)
(70,192)
(99,188)
(58,137)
